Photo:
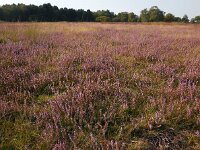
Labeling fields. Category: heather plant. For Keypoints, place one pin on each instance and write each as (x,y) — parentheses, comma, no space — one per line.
(99,86)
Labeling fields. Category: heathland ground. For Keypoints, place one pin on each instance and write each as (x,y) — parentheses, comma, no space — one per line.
(99,86)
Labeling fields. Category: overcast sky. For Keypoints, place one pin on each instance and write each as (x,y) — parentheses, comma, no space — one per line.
(177,7)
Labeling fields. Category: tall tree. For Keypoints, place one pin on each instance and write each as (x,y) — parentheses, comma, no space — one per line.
(89,16)
(185,19)
(155,14)
(123,16)
(132,17)
(32,13)
(169,17)
(106,13)
(177,19)
(197,19)
(144,16)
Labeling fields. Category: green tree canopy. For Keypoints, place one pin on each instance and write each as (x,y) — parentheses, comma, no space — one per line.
(123,16)
(132,17)
(185,19)
(155,14)
(197,19)
(144,16)
(169,17)
(103,19)
(47,12)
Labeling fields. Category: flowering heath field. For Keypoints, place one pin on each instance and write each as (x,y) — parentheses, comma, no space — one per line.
(93,86)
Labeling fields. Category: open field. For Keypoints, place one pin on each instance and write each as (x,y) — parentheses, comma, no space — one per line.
(99,86)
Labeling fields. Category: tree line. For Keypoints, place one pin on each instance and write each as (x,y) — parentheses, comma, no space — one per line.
(49,13)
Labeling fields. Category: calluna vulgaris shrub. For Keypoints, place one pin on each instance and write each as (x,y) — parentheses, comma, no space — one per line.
(99,86)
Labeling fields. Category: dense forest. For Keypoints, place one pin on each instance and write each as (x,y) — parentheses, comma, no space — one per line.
(49,13)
